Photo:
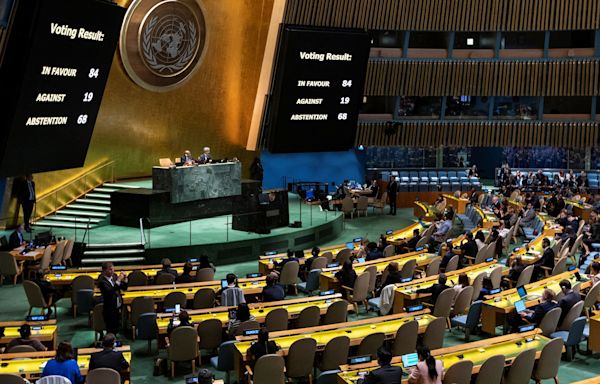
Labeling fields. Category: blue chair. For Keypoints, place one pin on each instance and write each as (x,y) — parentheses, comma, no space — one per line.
(85,301)
(470,321)
(224,361)
(312,282)
(328,377)
(147,329)
(572,337)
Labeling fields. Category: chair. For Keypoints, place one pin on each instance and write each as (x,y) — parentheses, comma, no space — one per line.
(182,345)
(443,303)
(328,377)
(164,279)
(337,312)
(348,206)
(59,251)
(491,370)
(370,344)
(309,317)
(477,285)
(277,320)
(21,349)
(246,326)
(140,305)
(560,266)
(147,329)
(300,359)
(406,338)
(547,365)
(590,299)
(573,313)
(137,279)
(470,321)
(335,353)
(525,276)
(35,297)
(44,264)
(372,271)
(9,378)
(329,256)
(434,334)
(343,256)
(103,376)
(79,283)
(9,267)
(550,321)
(459,373)
(224,361)
(289,274)
(433,268)
(408,269)
(452,264)
(53,380)
(98,321)
(174,298)
(319,263)
(210,333)
(362,205)
(572,337)
(389,250)
(462,301)
(380,203)
(268,369)
(312,282)
(85,301)
(521,368)
(205,274)
(204,298)
(360,291)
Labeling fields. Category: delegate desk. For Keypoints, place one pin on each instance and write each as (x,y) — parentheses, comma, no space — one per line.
(251,287)
(532,251)
(328,281)
(593,380)
(406,294)
(354,330)
(401,236)
(199,182)
(496,307)
(488,218)
(44,331)
(594,339)
(66,277)
(423,211)
(477,352)
(258,310)
(582,210)
(459,203)
(34,362)
(32,255)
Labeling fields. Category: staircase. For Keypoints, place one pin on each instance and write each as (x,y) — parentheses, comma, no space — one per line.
(93,209)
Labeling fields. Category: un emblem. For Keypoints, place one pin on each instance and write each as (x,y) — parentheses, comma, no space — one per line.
(163,42)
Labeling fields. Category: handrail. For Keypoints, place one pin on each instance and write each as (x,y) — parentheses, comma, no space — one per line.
(51,201)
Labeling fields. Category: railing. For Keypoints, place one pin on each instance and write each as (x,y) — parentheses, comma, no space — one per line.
(65,194)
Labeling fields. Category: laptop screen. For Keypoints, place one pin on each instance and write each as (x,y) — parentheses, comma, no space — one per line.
(410,360)
(224,283)
(360,260)
(520,306)
(521,291)
(350,246)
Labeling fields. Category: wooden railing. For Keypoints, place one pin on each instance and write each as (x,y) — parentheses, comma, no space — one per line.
(65,194)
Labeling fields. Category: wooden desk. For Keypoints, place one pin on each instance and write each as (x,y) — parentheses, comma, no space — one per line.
(488,219)
(593,380)
(423,211)
(532,251)
(582,210)
(594,340)
(328,281)
(159,292)
(477,352)
(32,368)
(403,235)
(459,204)
(46,335)
(496,307)
(33,255)
(406,294)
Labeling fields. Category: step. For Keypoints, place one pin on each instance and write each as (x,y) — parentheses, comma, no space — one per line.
(119,186)
(105,190)
(59,217)
(58,224)
(93,201)
(83,213)
(114,245)
(114,252)
(95,195)
(127,260)
(88,206)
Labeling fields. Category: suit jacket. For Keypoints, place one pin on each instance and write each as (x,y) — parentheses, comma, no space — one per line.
(412,243)
(108,358)
(540,311)
(110,292)
(393,189)
(435,291)
(528,217)
(204,158)
(566,303)
(15,240)
(22,190)
(547,259)
(387,374)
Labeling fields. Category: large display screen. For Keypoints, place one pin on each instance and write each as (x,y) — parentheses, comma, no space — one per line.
(55,68)
(317,89)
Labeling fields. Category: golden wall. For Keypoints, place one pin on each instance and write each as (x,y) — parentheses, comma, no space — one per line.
(136,127)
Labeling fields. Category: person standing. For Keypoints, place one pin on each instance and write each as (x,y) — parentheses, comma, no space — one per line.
(110,287)
(392,193)
(256,170)
(26,198)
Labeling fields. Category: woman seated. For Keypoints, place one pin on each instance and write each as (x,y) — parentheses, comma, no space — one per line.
(263,346)
(428,370)
(241,315)
(63,364)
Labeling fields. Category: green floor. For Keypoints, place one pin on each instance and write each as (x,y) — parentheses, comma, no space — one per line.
(14,304)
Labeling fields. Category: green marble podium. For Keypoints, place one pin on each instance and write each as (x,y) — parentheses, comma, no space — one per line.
(199,182)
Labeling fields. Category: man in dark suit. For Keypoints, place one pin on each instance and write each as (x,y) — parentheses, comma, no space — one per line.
(536,315)
(166,268)
(469,248)
(569,299)
(187,158)
(25,191)
(392,193)
(547,259)
(435,289)
(386,373)
(16,238)
(205,157)
(412,243)
(108,357)
(110,287)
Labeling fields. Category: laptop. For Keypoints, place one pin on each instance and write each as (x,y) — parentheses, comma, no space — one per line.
(523,294)
(224,283)
(360,260)
(520,306)
(350,246)
(410,360)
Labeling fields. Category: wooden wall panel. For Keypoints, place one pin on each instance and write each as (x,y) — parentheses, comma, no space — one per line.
(447,15)
(484,133)
(482,78)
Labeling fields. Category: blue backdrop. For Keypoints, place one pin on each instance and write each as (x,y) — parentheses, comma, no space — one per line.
(312,166)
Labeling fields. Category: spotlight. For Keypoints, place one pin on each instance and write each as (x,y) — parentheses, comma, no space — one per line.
(361,147)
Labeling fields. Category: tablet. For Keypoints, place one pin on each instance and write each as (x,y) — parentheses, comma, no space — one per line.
(410,360)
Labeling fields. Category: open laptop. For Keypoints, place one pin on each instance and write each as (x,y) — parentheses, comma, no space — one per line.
(523,294)
(520,306)
(410,360)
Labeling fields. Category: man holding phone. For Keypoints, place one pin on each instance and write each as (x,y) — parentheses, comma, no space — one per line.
(110,287)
